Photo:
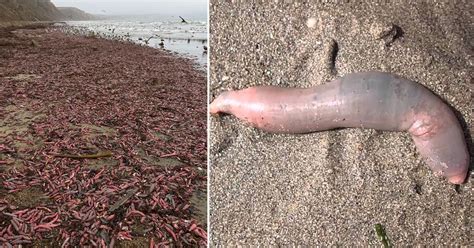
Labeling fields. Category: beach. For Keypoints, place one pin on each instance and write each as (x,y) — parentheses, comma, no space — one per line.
(102,142)
(332,188)
(184,39)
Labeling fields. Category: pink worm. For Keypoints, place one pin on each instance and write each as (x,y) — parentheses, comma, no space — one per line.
(365,100)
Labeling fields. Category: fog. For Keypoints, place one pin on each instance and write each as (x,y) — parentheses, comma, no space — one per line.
(192,9)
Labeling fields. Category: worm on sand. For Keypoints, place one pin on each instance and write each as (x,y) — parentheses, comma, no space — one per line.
(374,100)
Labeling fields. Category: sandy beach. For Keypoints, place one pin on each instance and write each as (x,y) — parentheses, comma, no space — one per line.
(101,142)
(331,188)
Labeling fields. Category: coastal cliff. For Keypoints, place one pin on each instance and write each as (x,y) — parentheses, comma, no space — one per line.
(38,10)
(71,13)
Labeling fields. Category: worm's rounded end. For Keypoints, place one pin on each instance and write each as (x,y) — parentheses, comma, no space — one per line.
(215,107)
(220,104)
(457,179)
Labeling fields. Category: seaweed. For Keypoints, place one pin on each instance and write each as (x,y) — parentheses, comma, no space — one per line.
(382,236)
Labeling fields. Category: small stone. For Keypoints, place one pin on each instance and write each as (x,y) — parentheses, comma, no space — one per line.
(379,30)
(389,32)
(34,43)
(311,22)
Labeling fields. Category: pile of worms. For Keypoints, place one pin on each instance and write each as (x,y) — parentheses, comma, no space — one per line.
(76,83)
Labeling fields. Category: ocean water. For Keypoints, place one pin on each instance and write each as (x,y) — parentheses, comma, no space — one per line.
(186,39)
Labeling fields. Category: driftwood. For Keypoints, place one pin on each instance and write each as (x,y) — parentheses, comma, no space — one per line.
(123,200)
(85,156)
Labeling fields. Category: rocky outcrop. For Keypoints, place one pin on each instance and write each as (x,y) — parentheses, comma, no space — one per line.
(71,13)
(36,10)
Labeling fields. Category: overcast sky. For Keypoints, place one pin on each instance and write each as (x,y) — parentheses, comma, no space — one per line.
(193,8)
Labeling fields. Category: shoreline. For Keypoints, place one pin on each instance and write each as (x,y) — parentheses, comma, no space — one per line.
(184,43)
(66,94)
(19,24)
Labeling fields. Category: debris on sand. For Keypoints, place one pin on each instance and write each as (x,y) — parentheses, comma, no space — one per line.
(60,102)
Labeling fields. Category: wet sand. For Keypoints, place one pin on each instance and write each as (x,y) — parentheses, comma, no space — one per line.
(81,95)
(332,188)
